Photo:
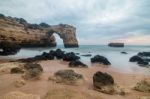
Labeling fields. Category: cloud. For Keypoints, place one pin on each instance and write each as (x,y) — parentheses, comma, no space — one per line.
(102,20)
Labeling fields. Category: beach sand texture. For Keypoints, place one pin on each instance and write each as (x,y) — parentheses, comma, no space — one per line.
(48,89)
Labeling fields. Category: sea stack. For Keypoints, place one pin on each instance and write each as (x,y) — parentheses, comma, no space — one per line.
(116,44)
(19,31)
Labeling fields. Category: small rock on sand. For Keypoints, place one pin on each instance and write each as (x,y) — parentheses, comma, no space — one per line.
(77,63)
(68,77)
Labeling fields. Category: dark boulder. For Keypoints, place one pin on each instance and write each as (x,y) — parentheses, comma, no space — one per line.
(16,70)
(143,63)
(70,57)
(100,59)
(136,59)
(52,52)
(77,63)
(146,54)
(102,79)
(141,59)
(9,48)
(59,54)
(47,56)
(44,56)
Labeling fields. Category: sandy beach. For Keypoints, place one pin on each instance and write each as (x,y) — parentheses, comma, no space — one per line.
(74,49)
(84,91)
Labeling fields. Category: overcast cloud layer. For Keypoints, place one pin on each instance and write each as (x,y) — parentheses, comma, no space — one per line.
(97,21)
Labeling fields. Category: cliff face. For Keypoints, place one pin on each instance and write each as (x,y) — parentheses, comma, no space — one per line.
(19,31)
(12,30)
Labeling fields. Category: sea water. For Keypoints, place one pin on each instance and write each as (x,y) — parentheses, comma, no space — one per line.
(118,60)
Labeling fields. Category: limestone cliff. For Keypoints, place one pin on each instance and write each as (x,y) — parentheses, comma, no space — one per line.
(19,31)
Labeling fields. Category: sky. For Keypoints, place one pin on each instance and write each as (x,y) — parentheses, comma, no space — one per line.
(96,21)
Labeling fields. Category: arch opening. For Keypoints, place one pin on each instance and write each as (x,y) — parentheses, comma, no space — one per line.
(59,40)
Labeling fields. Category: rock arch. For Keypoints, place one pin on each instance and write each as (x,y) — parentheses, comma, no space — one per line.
(66,33)
(17,31)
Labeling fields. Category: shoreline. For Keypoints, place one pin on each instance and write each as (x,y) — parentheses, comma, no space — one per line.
(144,71)
(42,86)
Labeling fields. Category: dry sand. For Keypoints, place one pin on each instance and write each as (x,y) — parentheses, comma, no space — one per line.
(61,91)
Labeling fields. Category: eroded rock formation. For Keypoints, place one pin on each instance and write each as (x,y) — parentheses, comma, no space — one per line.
(66,32)
(19,31)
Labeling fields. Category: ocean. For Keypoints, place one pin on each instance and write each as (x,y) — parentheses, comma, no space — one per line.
(118,60)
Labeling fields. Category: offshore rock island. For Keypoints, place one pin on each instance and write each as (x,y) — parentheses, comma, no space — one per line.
(116,44)
(19,32)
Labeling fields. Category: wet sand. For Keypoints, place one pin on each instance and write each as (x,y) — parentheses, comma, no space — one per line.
(83,91)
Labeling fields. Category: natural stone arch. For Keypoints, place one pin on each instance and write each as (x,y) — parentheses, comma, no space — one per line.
(66,33)
(16,33)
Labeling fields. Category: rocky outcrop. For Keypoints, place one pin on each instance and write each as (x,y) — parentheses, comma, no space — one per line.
(142,58)
(19,31)
(53,54)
